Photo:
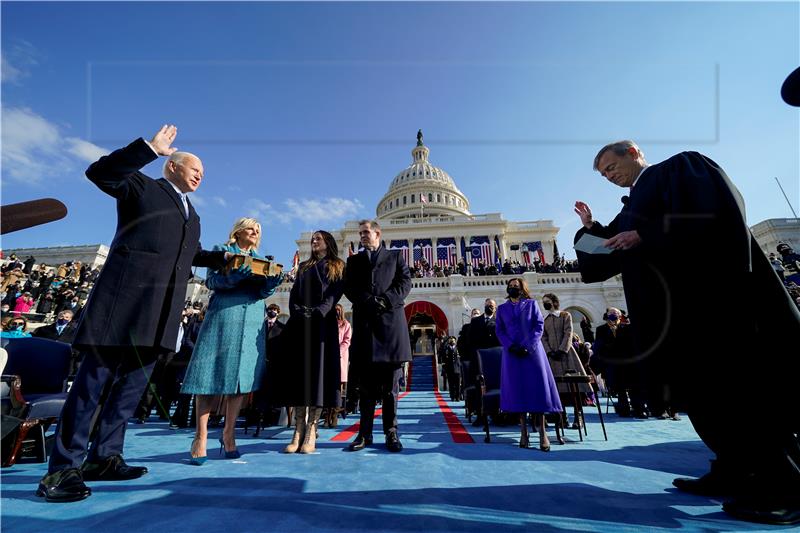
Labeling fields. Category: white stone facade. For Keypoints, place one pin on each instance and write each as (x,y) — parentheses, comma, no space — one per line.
(88,254)
(403,217)
(770,232)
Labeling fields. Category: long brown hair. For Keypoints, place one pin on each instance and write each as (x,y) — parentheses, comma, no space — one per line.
(524,292)
(335,265)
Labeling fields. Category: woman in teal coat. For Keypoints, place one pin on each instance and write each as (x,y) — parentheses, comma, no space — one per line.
(229,356)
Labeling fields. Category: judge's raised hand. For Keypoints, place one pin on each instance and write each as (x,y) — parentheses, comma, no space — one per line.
(585,213)
(162,140)
(624,241)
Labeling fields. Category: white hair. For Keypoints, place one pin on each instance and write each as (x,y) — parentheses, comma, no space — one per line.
(177,157)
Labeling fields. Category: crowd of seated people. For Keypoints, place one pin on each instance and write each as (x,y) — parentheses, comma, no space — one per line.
(41,291)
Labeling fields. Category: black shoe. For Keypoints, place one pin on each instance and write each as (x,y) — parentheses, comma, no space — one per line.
(63,486)
(393,443)
(111,469)
(782,511)
(360,443)
(708,485)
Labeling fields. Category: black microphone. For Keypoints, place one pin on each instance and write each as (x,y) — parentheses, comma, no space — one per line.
(23,215)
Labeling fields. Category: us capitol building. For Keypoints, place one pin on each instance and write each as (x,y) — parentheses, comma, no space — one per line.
(425,215)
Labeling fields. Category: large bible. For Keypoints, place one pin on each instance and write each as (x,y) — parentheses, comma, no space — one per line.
(261,267)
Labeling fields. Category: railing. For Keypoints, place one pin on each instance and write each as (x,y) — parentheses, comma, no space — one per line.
(488,281)
(559,278)
(430,283)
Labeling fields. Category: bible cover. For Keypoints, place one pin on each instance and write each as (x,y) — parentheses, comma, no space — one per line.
(262,267)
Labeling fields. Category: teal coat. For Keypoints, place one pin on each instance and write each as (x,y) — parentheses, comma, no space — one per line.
(230,353)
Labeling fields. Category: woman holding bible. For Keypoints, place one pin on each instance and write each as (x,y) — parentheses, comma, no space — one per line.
(229,356)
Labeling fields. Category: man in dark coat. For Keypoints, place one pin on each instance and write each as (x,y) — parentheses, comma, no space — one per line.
(377,282)
(62,330)
(680,208)
(482,330)
(133,312)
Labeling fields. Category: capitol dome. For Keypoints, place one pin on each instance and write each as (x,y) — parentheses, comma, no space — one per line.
(422,189)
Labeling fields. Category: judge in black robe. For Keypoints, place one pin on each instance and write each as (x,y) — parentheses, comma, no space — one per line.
(678,210)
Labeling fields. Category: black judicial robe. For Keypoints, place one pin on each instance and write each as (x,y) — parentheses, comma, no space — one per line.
(686,208)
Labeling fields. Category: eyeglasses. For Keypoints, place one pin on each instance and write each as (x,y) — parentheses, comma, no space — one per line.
(15,324)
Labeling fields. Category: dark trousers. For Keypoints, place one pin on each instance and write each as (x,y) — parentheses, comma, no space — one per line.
(159,391)
(767,462)
(379,381)
(107,389)
(454,380)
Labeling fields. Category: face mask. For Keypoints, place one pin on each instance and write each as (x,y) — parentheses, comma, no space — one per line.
(575,345)
(513,292)
(62,321)
(489,310)
(548,306)
(613,318)
(272,314)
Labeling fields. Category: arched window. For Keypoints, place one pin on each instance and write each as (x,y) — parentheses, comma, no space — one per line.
(412,198)
(438,198)
(404,200)
(430,196)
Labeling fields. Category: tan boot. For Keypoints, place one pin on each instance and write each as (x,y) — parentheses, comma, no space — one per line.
(299,429)
(310,441)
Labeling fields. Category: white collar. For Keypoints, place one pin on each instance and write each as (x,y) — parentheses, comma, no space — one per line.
(639,176)
(177,190)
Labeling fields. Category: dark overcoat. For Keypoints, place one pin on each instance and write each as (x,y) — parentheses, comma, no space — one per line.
(380,337)
(686,208)
(138,298)
(311,368)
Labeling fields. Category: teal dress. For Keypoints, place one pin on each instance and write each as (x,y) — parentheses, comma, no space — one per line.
(230,353)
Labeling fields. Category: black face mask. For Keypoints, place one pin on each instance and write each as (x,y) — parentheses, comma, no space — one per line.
(272,314)
(489,310)
(548,306)
(513,292)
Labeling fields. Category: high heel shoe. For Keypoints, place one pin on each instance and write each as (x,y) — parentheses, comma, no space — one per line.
(524,442)
(228,455)
(196,461)
(544,447)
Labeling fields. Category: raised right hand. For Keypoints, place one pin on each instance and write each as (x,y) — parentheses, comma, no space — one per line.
(163,138)
(585,213)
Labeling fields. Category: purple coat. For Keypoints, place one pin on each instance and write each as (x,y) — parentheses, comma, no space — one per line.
(526,382)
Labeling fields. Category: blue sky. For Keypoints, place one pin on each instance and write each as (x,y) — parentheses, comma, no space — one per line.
(303,113)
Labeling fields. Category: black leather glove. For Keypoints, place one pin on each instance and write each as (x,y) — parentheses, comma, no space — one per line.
(383,304)
(518,350)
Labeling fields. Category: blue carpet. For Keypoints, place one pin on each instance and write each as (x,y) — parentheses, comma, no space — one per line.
(435,485)
(422,373)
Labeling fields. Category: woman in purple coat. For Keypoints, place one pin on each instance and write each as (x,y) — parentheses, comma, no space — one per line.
(526,381)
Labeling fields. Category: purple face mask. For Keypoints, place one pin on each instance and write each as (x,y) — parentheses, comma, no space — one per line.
(613,317)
